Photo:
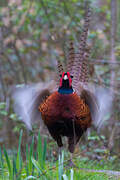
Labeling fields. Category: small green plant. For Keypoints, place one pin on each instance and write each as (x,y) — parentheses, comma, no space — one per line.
(71,175)
(16,168)
(37,166)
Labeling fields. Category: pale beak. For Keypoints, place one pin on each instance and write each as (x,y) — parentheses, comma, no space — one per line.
(65,77)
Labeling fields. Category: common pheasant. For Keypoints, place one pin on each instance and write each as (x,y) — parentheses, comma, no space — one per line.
(72,105)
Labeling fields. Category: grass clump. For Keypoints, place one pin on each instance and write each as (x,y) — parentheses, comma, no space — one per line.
(37,166)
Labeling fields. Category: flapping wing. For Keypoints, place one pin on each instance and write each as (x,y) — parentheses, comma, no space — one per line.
(99,100)
(27,99)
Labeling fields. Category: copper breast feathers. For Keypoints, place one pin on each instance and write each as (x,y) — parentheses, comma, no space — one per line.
(58,107)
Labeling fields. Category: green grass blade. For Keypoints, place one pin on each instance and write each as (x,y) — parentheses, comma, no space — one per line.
(1,159)
(44,152)
(14,166)
(27,161)
(31,155)
(36,164)
(39,149)
(38,167)
(32,147)
(8,163)
(19,158)
(1,165)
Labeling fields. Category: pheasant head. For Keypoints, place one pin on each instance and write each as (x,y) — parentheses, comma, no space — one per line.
(65,86)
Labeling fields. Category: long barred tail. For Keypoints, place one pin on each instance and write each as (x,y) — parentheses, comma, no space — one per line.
(71,58)
(59,68)
(79,65)
(84,73)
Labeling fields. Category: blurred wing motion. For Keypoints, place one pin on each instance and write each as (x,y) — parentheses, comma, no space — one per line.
(105,98)
(27,99)
(99,100)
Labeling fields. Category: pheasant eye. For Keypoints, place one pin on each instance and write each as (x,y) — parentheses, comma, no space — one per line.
(71,76)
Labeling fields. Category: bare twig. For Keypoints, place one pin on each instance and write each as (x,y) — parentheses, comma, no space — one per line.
(108,172)
(2,83)
(103,61)
(46,13)
(113,35)
(21,64)
(111,139)
(23,18)
(65,7)
(16,74)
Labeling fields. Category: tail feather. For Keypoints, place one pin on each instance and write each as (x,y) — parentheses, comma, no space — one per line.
(84,75)
(59,68)
(71,58)
(78,63)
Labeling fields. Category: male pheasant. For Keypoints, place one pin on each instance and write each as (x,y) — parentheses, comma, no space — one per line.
(70,108)
(65,113)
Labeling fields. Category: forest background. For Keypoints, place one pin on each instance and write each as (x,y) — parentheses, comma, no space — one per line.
(33,36)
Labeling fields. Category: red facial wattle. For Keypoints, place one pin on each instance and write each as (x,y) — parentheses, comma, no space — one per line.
(61,79)
(69,78)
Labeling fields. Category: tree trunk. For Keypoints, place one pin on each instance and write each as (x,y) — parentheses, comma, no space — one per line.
(113,61)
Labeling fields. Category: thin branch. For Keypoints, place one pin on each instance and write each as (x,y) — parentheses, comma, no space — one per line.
(113,60)
(108,172)
(11,66)
(66,8)
(113,36)
(46,13)
(23,17)
(103,61)
(21,64)
(2,83)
